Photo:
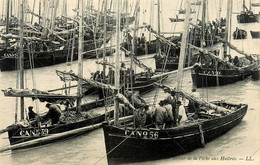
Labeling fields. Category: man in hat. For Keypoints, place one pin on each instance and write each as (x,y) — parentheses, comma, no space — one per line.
(182,113)
(31,113)
(171,99)
(54,113)
(160,115)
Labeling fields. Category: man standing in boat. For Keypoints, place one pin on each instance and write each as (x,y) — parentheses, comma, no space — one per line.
(160,115)
(54,113)
(31,114)
(193,106)
(171,99)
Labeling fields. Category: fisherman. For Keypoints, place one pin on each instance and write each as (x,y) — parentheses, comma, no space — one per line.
(193,106)
(135,100)
(236,61)
(160,116)
(182,113)
(171,99)
(169,122)
(142,41)
(54,113)
(111,74)
(31,113)
(96,75)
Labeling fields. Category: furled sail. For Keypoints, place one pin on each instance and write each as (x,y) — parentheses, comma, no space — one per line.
(248,56)
(135,60)
(37,94)
(66,76)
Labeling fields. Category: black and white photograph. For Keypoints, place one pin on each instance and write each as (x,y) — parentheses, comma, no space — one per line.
(130,82)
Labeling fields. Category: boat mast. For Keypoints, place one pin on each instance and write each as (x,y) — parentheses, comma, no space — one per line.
(40,5)
(80,56)
(159,29)
(33,11)
(137,7)
(227,25)
(183,48)
(21,58)
(117,56)
(220,9)
(202,40)
(7,23)
(105,36)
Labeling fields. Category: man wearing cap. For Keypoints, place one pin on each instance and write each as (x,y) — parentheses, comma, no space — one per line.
(182,113)
(31,113)
(171,99)
(160,116)
(54,113)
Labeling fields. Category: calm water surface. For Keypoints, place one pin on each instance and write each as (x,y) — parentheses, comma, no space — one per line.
(239,143)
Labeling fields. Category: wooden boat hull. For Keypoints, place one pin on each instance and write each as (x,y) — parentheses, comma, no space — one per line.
(151,46)
(171,64)
(247,18)
(9,59)
(239,34)
(20,134)
(124,144)
(209,77)
(256,74)
(255,34)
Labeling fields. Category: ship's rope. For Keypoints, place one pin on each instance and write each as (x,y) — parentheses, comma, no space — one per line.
(114,147)
(176,142)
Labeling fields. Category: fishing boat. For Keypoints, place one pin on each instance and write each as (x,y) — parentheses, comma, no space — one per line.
(214,70)
(127,143)
(176,19)
(55,54)
(247,15)
(74,120)
(44,45)
(256,73)
(239,34)
(255,34)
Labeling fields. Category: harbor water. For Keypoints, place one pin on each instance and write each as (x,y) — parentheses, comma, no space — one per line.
(241,145)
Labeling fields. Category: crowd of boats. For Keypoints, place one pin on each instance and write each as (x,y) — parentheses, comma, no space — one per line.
(133,129)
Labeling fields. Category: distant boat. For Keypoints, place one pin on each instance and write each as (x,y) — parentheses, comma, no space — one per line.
(239,34)
(247,16)
(255,34)
(55,55)
(176,19)
(255,4)
(256,73)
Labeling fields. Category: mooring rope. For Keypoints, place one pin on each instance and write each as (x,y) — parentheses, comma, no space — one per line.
(114,147)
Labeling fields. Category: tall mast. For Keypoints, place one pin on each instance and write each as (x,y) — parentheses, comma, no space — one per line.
(33,11)
(137,7)
(117,56)
(159,29)
(202,40)
(40,5)
(7,23)
(183,46)
(220,9)
(54,11)
(80,55)
(151,16)
(227,24)
(243,5)
(21,59)
(105,36)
